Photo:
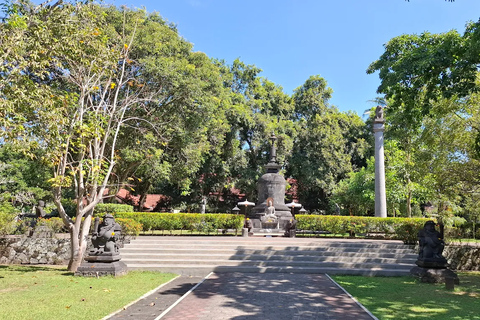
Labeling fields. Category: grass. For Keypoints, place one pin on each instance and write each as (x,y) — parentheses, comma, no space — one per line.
(406,298)
(52,293)
(457,241)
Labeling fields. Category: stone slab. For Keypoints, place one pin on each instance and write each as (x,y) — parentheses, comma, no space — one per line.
(434,275)
(100,269)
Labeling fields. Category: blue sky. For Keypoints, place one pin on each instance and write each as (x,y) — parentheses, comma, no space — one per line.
(291,40)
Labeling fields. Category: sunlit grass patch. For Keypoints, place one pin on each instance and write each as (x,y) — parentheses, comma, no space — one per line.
(406,298)
(47,293)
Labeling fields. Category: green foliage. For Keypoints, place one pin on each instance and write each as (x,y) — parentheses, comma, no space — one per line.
(129,226)
(207,223)
(435,65)
(22,179)
(328,146)
(103,208)
(405,229)
(7,218)
(55,224)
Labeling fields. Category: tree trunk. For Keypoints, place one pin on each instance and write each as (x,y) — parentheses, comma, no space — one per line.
(79,242)
(409,202)
(75,257)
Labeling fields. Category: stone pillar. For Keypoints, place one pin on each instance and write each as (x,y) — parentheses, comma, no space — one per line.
(380,192)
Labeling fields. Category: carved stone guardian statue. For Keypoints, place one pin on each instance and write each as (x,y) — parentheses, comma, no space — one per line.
(431,265)
(105,235)
(104,258)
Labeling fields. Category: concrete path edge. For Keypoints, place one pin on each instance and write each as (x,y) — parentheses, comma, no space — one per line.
(352,297)
(140,298)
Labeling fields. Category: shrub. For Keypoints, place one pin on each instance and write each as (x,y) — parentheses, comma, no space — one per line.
(7,218)
(129,226)
(54,223)
(405,229)
(112,208)
(184,221)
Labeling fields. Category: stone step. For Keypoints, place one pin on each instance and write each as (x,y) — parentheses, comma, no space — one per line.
(262,249)
(266,252)
(192,270)
(197,255)
(253,241)
(276,257)
(262,263)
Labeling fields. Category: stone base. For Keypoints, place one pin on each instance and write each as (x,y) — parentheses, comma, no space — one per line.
(280,224)
(437,263)
(103,258)
(100,269)
(434,275)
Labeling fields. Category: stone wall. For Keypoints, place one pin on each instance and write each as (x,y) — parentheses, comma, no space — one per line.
(463,257)
(27,250)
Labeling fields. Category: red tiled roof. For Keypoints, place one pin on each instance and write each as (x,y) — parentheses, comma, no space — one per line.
(150,202)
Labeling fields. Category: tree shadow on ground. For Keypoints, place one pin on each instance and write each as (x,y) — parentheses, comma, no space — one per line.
(26,268)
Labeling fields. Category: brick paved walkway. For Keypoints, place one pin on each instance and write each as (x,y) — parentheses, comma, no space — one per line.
(249,296)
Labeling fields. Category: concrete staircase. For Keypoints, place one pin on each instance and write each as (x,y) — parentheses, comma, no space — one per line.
(197,256)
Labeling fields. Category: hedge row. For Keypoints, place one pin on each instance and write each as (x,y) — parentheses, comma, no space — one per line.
(129,226)
(184,221)
(112,208)
(405,229)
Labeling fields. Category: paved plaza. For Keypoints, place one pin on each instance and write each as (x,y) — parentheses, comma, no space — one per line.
(242,296)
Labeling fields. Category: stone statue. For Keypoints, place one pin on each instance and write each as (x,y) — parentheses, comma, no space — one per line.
(248,224)
(270,211)
(431,265)
(431,242)
(40,209)
(379,113)
(105,235)
(290,228)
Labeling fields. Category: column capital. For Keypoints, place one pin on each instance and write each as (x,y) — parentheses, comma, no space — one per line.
(378,127)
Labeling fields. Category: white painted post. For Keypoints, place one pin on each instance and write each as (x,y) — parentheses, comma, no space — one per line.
(380,192)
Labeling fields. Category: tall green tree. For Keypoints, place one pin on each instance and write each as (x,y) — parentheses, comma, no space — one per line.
(329,145)
(417,69)
(23,180)
(187,107)
(73,85)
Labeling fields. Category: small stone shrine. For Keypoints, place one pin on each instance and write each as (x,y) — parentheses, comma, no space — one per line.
(431,265)
(271,186)
(104,258)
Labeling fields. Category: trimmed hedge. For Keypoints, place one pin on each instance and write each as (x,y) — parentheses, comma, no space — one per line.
(205,223)
(112,208)
(405,229)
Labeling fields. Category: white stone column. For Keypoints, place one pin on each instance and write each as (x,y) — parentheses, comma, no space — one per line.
(380,193)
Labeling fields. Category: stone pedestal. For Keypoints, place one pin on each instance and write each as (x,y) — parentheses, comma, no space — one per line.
(102,265)
(431,275)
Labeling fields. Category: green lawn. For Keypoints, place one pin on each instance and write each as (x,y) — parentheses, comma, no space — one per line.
(405,298)
(47,293)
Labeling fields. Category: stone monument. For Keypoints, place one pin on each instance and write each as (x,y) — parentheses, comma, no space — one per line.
(431,265)
(380,193)
(104,258)
(271,186)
